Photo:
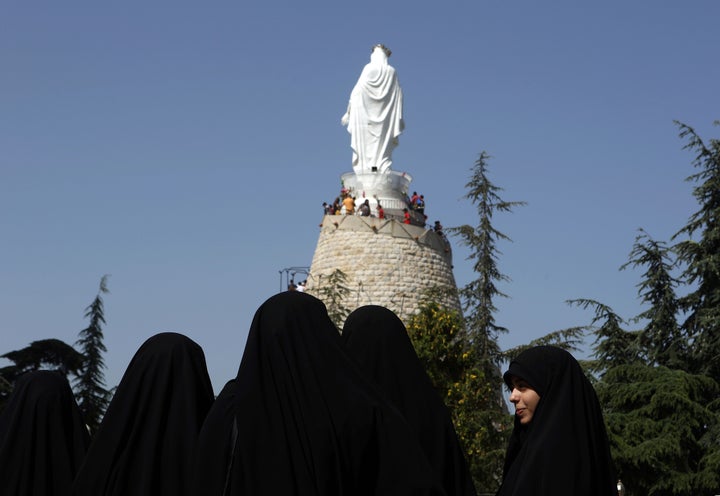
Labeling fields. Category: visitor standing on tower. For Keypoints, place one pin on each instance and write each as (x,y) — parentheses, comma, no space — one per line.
(349,204)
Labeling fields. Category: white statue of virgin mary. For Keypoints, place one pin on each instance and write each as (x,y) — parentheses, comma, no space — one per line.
(374,114)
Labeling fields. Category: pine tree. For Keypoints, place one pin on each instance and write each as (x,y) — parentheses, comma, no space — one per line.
(662,423)
(664,429)
(661,340)
(658,386)
(478,296)
(569,339)
(480,330)
(90,386)
(45,354)
(52,354)
(613,345)
(701,257)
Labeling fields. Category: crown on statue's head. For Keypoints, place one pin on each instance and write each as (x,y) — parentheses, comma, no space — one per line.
(385,49)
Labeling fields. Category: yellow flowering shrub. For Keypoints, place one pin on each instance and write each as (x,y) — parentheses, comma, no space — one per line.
(456,372)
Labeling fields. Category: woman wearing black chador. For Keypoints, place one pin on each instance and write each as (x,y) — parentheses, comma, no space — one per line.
(301,419)
(145,443)
(43,438)
(559,444)
(378,340)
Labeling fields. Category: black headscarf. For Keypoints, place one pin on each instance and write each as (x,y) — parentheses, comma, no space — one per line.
(42,437)
(301,419)
(564,450)
(378,340)
(145,442)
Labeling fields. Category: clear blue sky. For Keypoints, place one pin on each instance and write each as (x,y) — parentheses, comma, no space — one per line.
(185,149)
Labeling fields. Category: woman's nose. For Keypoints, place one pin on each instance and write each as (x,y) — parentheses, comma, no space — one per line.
(513,395)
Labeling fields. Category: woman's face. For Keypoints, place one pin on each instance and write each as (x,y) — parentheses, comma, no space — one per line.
(525,400)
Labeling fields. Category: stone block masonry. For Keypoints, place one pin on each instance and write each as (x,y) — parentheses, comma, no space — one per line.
(386,262)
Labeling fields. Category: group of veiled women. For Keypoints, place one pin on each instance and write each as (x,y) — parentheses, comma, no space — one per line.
(310,412)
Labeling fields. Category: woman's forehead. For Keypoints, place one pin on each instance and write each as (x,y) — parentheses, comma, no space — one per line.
(515,380)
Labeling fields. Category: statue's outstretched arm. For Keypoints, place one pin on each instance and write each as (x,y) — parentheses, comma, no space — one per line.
(346,118)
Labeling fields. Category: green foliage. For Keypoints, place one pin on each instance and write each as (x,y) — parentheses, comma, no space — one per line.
(90,389)
(437,335)
(476,397)
(457,373)
(568,339)
(613,344)
(658,385)
(444,296)
(46,353)
(701,257)
(662,339)
(663,428)
(478,295)
(333,291)
(42,354)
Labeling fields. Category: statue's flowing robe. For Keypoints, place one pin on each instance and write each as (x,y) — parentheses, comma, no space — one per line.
(375,116)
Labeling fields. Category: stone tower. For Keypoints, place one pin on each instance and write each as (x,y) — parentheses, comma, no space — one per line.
(386,261)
